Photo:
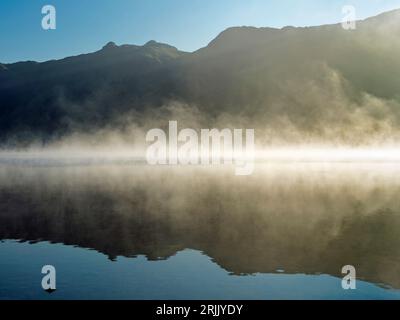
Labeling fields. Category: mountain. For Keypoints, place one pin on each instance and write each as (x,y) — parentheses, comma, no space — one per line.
(49,99)
(311,76)
(320,82)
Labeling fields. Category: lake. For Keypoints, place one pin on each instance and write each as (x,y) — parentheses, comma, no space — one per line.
(126,230)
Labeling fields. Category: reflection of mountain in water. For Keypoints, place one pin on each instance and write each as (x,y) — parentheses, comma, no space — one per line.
(303,219)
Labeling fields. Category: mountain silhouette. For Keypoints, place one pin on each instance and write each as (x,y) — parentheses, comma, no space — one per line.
(321,81)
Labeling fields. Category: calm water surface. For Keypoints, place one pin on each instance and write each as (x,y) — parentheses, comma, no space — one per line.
(125,231)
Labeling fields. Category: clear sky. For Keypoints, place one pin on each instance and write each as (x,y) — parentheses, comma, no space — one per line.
(86,25)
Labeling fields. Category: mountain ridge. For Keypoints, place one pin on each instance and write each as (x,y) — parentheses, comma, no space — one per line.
(227,30)
(294,82)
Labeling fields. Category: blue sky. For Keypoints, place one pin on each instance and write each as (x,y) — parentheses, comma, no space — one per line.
(86,25)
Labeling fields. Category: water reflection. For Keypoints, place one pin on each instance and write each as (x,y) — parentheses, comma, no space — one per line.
(296,218)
